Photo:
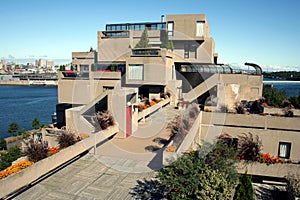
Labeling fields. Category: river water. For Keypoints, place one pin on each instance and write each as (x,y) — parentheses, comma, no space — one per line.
(21,104)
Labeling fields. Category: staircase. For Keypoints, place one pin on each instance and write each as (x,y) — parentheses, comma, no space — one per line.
(201,88)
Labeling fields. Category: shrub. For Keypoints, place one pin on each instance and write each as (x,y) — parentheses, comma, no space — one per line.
(11,155)
(66,139)
(181,124)
(36,151)
(197,176)
(274,97)
(293,185)
(35,123)
(244,190)
(105,120)
(13,128)
(3,145)
(240,108)
(249,147)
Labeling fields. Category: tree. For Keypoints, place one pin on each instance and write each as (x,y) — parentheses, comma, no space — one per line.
(11,155)
(25,134)
(35,123)
(13,128)
(2,144)
(62,68)
(167,43)
(244,190)
(208,173)
(273,96)
(144,42)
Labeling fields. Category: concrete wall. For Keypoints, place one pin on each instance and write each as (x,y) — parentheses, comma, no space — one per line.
(83,58)
(270,129)
(185,26)
(157,69)
(79,91)
(237,87)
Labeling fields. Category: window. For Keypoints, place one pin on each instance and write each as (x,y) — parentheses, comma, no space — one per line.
(200,29)
(136,72)
(190,50)
(284,149)
(186,51)
(107,88)
(170,28)
(84,68)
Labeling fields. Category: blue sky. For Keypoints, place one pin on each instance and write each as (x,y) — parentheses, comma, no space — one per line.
(266,32)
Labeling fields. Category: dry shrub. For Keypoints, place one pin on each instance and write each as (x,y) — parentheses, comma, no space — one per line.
(36,151)
(249,146)
(66,139)
(105,119)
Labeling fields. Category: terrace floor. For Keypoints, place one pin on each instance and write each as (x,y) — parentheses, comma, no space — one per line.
(113,169)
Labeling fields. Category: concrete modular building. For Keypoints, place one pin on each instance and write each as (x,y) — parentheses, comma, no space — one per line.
(188,70)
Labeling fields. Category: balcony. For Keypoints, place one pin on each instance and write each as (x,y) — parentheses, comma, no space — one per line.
(106,75)
(115,34)
(145,52)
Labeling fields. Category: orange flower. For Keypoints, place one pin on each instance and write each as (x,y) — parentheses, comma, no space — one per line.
(152,103)
(3,174)
(171,149)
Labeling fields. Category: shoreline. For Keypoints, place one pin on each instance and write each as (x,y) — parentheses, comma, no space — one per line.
(28,82)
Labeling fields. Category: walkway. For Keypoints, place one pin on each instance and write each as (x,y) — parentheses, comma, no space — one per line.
(88,178)
(114,169)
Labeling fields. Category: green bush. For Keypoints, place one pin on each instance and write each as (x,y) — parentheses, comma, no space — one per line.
(35,123)
(273,96)
(244,190)
(293,185)
(208,173)
(11,155)
(2,144)
(13,128)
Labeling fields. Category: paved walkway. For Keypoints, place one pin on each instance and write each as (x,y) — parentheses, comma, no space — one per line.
(114,169)
(88,178)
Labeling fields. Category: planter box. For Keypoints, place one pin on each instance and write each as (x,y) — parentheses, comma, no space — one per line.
(186,144)
(34,172)
(272,170)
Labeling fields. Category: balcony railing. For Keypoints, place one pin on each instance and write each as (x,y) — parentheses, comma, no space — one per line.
(146,52)
(115,34)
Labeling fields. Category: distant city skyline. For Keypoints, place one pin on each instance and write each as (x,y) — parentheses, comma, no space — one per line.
(264,32)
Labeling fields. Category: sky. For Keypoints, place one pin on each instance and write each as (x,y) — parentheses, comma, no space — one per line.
(266,32)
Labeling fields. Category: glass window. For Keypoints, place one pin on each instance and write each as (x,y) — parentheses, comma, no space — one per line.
(170,28)
(136,27)
(108,27)
(186,51)
(200,29)
(284,150)
(136,72)
(153,26)
(84,68)
(142,26)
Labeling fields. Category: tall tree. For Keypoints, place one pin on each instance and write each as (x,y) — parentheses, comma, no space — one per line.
(13,128)
(168,44)
(35,123)
(144,42)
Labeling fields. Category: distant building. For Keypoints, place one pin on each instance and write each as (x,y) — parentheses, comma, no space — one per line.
(39,62)
(49,63)
(3,62)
